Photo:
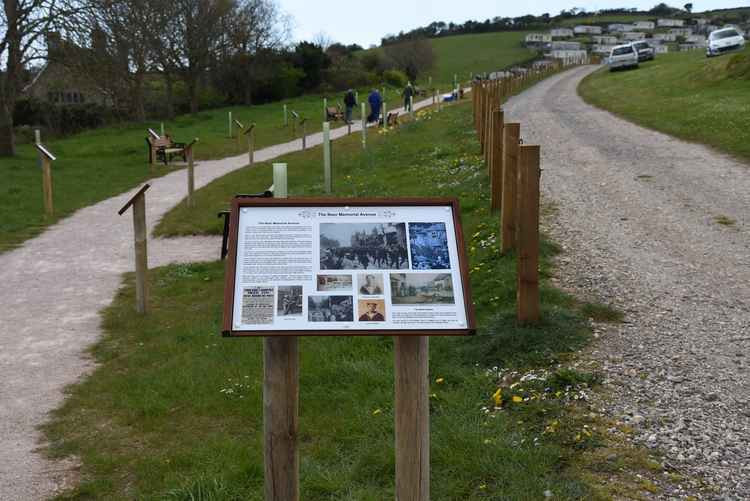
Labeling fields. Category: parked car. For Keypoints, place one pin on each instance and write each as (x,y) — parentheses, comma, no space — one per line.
(623,56)
(644,50)
(724,40)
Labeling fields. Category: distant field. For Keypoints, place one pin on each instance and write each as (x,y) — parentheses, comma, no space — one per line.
(685,95)
(464,54)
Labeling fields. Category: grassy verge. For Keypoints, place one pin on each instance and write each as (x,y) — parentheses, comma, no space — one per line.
(685,95)
(175,412)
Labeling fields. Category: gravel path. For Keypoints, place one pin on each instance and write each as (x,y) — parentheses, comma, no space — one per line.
(51,291)
(637,219)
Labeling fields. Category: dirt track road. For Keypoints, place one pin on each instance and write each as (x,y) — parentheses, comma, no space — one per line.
(51,291)
(636,214)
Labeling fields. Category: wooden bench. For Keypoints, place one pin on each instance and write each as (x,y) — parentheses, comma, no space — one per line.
(334,113)
(162,149)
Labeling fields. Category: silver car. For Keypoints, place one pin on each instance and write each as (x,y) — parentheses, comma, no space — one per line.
(724,40)
(623,56)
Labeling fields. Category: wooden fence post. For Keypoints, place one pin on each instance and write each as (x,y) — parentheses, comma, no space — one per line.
(508,215)
(327,157)
(231,133)
(412,419)
(498,154)
(190,173)
(527,295)
(138,202)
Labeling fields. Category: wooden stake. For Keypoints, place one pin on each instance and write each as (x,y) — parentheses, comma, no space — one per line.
(231,134)
(141,254)
(496,179)
(327,157)
(286,116)
(304,135)
(281,417)
(527,295)
(251,144)
(385,115)
(412,418)
(512,134)
(47,186)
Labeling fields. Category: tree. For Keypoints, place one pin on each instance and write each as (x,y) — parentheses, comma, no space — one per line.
(412,57)
(23,24)
(689,7)
(311,59)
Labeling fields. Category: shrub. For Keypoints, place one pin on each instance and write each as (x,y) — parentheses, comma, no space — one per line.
(395,78)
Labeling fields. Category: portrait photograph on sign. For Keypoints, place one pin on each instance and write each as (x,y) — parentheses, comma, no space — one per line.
(325,269)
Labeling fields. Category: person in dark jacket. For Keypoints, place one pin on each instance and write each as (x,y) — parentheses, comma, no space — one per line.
(376,103)
(408,94)
(350,101)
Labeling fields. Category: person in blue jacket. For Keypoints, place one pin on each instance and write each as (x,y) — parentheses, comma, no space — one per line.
(376,103)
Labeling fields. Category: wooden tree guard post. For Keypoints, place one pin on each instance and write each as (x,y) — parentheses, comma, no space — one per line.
(141,255)
(498,154)
(508,214)
(303,124)
(190,173)
(384,123)
(231,133)
(46,158)
(364,126)
(412,419)
(527,294)
(250,133)
(286,116)
(327,158)
(325,109)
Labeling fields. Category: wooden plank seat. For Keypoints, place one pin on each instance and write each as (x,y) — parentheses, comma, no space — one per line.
(334,113)
(163,149)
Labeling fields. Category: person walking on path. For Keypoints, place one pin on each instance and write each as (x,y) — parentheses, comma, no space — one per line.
(350,101)
(408,94)
(376,103)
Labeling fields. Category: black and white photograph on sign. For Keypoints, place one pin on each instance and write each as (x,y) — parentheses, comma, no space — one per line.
(429,246)
(363,246)
(327,283)
(289,302)
(371,310)
(330,309)
(421,288)
(257,305)
(370,284)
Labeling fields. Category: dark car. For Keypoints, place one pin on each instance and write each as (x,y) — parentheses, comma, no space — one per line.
(644,50)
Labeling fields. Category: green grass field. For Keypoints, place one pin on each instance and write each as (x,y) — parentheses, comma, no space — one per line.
(174,411)
(683,94)
(464,54)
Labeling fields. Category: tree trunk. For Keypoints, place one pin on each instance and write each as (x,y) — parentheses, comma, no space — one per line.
(137,92)
(7,136)
(192,84)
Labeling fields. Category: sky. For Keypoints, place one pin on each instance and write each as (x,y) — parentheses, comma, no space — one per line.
(364,23)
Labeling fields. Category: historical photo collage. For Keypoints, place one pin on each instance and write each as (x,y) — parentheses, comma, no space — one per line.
(364,270)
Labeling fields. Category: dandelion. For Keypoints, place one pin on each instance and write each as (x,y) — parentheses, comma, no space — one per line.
(517,399)
(376,412)
(498,397)
(440,380)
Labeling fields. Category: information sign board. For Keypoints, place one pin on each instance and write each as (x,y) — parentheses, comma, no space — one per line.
(346,267)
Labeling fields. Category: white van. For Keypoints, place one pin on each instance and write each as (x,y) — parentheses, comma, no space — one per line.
(623,56)
(724,40)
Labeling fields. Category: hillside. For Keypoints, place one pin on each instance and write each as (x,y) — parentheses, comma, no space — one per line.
(685,95)
(463,54)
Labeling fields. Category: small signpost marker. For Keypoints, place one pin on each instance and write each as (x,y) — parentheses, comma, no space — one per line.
(138,202)
(250,133)
(190,172)
(46,158)
(364,126)
(327,157)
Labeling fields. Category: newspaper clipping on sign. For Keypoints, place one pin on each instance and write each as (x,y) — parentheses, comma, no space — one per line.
(348,268)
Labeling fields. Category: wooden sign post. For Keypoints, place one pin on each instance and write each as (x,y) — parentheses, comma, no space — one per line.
(364,126)
(527,301)
(508,210)
(138,201)
(46,158)
(250,133)
(231,133)
(303,125)
(327,181)
(190,172)
(280,314)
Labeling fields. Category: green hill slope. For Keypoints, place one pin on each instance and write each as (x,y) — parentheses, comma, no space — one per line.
(683,94)
(464,54)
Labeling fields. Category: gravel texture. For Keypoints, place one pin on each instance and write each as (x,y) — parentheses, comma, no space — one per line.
(636,214)
(51,291)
